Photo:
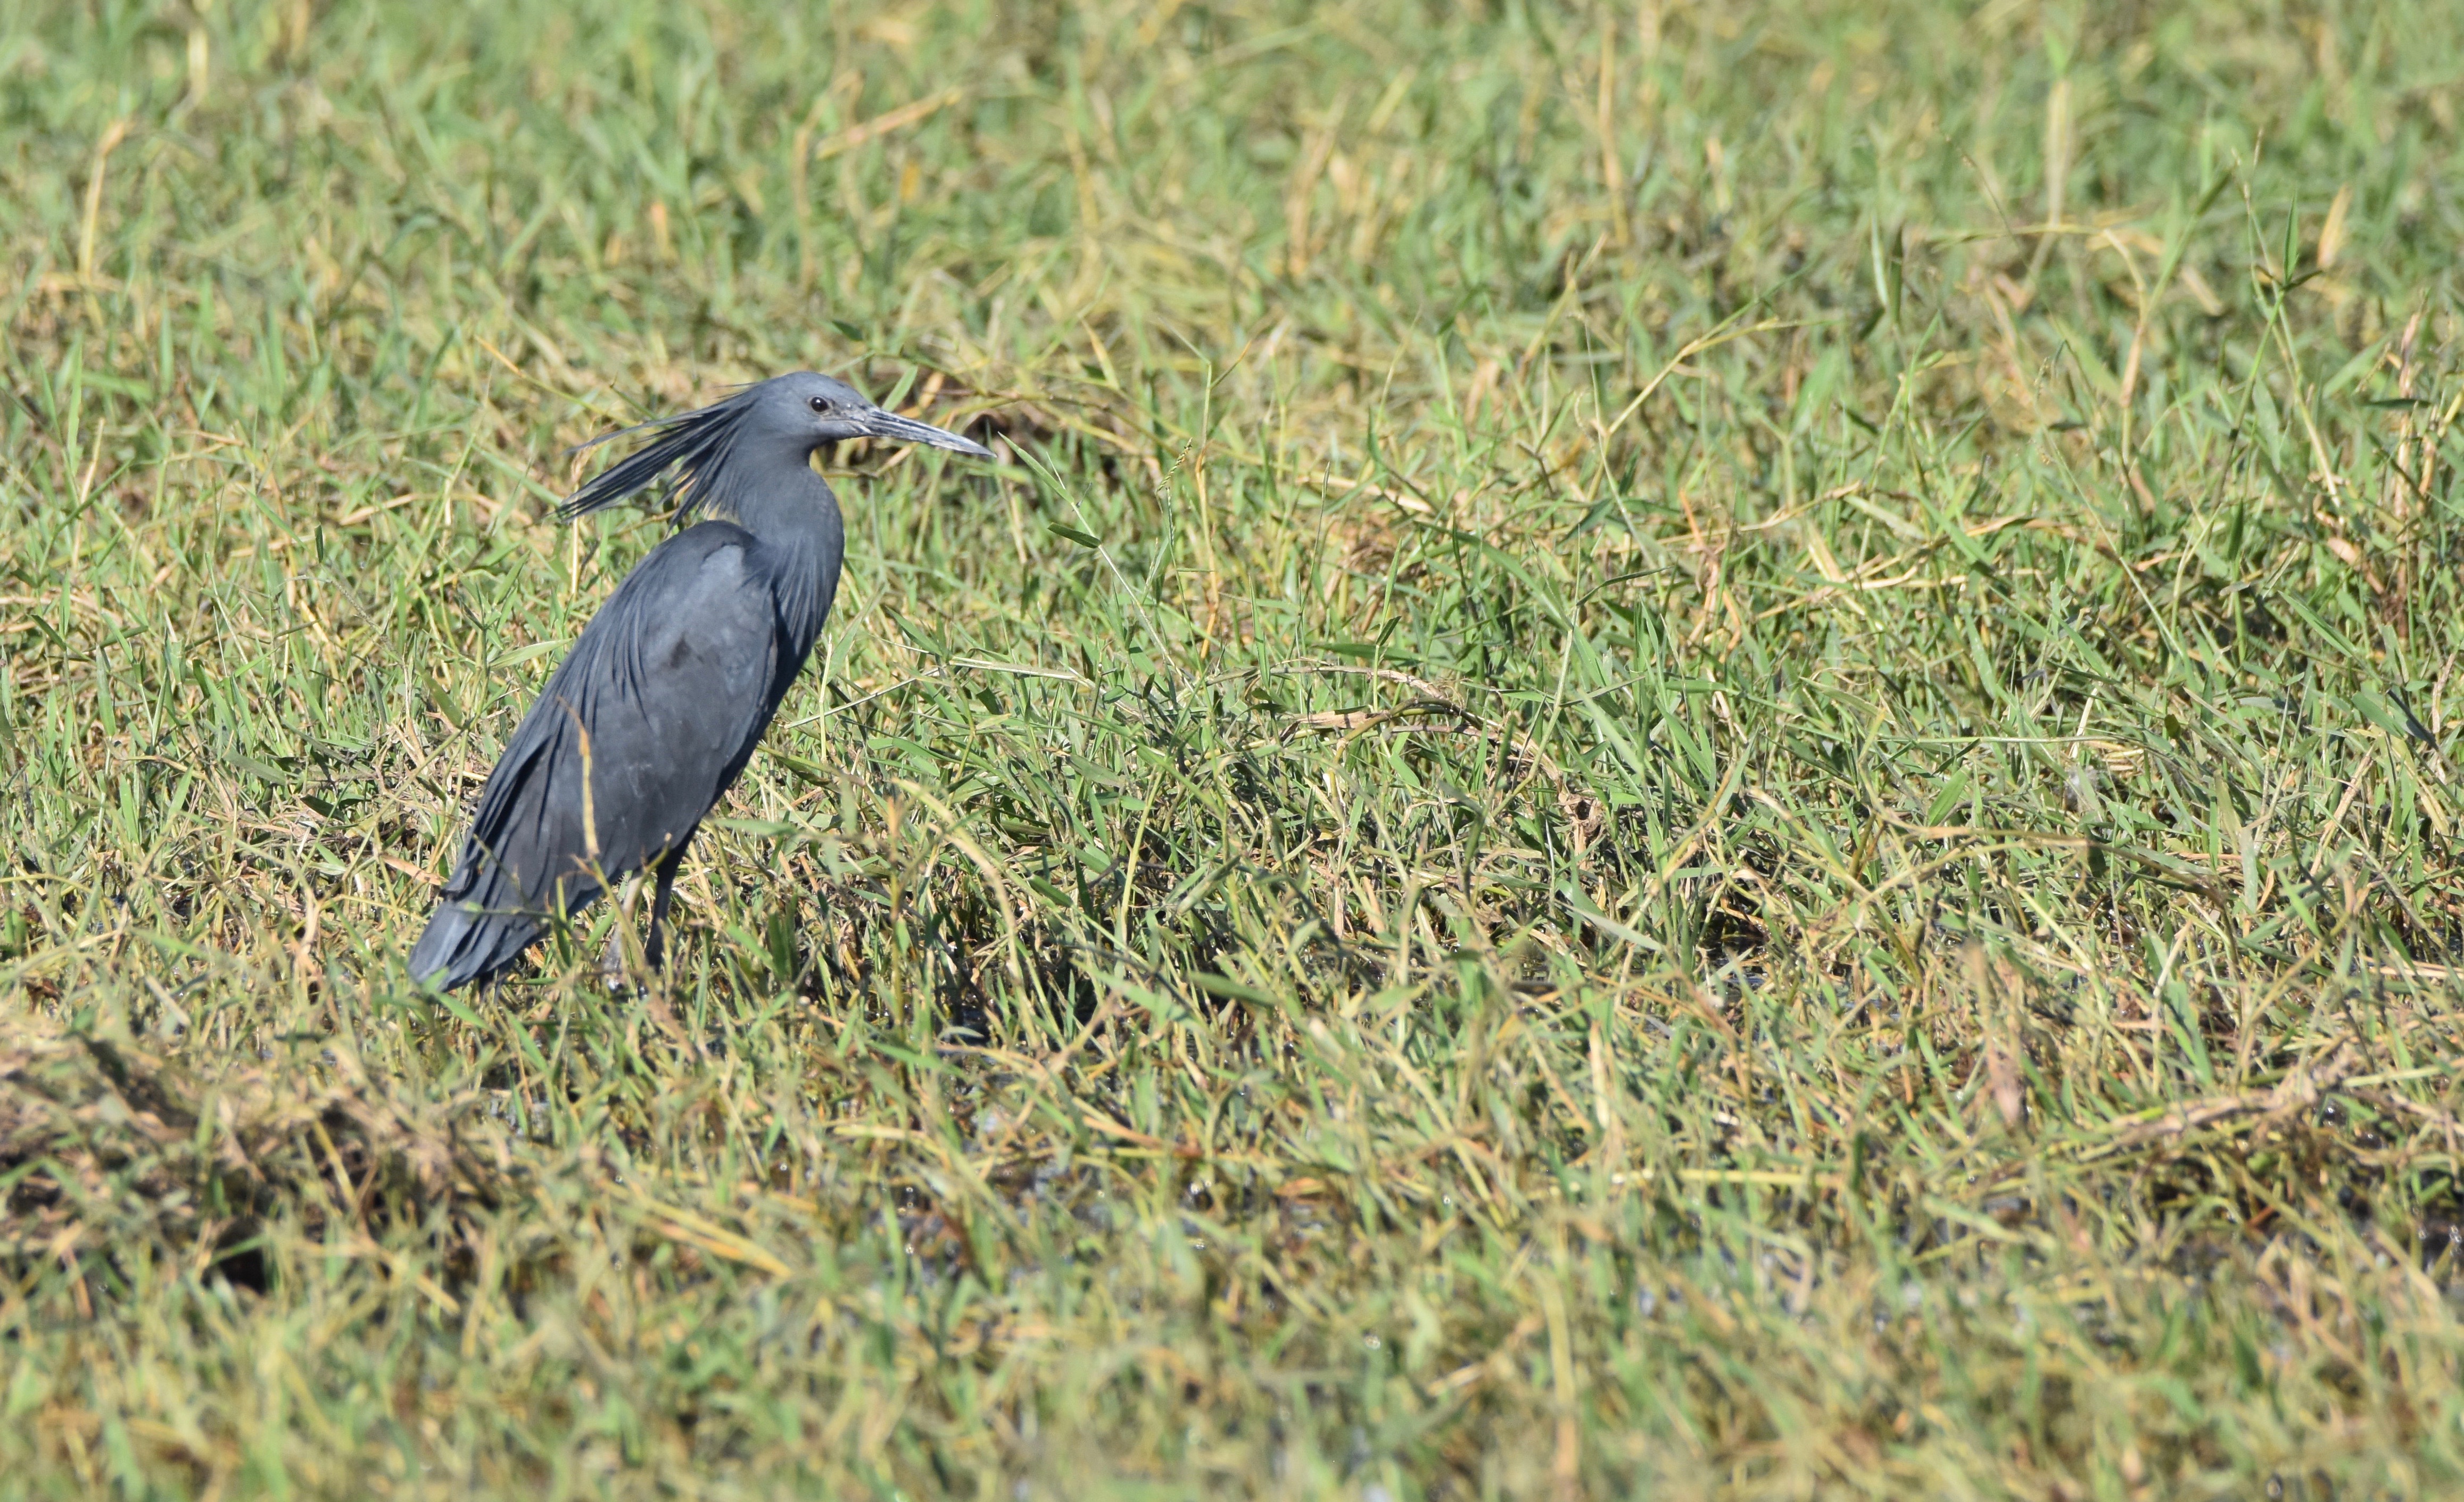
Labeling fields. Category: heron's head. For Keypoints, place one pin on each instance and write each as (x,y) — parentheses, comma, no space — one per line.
(780,422)
(812,410)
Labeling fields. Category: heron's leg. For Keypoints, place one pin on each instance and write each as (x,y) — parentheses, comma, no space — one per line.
(612,960)
(653,949)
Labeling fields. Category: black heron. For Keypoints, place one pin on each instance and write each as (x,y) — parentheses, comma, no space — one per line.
(647,723)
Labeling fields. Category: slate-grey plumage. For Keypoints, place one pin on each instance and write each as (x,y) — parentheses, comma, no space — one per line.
(650,717)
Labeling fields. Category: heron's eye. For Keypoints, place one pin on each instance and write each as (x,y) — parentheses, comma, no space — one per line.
(821,404)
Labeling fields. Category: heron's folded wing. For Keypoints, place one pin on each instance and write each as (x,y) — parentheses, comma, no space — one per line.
(638,731)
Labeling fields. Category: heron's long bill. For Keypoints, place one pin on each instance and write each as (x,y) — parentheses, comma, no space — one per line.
(891,426)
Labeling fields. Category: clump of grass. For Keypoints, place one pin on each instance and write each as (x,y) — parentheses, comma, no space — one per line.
(1698,751)
(117,1154)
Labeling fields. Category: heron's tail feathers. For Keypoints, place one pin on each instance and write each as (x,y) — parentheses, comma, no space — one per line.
(466,943)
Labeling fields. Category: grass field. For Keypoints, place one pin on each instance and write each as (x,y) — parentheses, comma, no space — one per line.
(1689,751)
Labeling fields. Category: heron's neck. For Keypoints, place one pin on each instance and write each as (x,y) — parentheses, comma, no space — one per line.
(797,519)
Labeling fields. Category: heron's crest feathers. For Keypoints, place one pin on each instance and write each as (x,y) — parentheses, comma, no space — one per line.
(682,458)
